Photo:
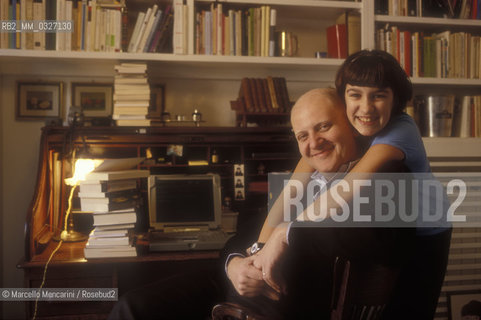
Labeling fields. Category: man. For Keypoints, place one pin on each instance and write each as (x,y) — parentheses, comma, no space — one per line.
(326,142)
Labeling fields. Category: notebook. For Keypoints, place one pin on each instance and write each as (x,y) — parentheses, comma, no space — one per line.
(185,212)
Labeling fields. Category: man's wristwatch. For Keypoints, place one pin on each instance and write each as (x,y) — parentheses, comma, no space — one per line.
(256,247)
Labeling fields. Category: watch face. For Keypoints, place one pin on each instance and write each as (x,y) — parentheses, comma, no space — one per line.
(256,247)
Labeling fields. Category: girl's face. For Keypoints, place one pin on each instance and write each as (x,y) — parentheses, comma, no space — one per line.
(368,108)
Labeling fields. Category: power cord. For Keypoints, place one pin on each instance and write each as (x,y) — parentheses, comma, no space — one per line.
(55,250)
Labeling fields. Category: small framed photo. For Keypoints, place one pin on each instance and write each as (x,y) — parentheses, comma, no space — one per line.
(157,101)
(39,100)
(239,194)
(95,99)
(239,170)
(464,305)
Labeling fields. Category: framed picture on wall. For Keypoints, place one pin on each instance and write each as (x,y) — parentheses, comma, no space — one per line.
(464,304)
(157,101)
(39,100)
(95,99)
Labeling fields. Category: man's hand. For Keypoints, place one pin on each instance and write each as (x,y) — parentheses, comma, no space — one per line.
(247,279)
(269,258)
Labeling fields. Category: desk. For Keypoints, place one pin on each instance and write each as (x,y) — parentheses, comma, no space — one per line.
(261,150)
(69,269)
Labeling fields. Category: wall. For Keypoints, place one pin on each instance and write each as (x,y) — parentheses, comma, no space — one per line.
(20,145)
(1,196)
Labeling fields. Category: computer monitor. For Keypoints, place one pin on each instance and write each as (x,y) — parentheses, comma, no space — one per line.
(184,200)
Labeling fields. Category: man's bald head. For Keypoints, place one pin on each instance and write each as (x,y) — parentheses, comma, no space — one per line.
(316,95)
(323,133)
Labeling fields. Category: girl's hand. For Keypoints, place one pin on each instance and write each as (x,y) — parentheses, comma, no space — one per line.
(269,259)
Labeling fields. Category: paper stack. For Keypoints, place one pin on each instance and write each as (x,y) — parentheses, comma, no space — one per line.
(131,95)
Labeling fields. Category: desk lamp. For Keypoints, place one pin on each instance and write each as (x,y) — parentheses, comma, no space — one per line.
(82,168)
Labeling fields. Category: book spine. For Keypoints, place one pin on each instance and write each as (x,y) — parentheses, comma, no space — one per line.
(135,32)
(148,28)
(154,29)
(414,49)
(285,95)
(190,26)
(220,29)
(238,33)
(250,32)
(272,26)
(247,94)
(178,36)
(407,53)
(255,99)
(261,100)
(267,96)
(60,16)
(272,94)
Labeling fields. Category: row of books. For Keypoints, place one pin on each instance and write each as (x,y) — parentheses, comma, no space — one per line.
(152,31)
(97,26)
(112,197)
(131,95)
(248,32)
(442,55)
(459,9)
(269,95)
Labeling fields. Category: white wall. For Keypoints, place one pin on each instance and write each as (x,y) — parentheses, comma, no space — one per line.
(1,195)
(20,146)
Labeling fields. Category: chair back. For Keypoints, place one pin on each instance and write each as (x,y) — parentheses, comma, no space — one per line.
(361,290)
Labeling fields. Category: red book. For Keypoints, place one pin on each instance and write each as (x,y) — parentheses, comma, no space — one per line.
(337,41)
(398,45)
(474,9)
(407,53)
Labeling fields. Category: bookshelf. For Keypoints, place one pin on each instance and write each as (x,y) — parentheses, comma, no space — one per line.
(456,69)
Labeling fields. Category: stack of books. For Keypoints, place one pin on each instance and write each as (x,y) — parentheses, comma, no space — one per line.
(131,95)
(113,197)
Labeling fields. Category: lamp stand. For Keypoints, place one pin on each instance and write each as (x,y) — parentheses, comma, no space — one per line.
(69,234)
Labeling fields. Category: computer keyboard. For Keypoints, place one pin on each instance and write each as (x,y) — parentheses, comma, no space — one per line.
(210,235)
(190,240)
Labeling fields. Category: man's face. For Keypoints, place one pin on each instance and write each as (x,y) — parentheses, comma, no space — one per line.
(323,134)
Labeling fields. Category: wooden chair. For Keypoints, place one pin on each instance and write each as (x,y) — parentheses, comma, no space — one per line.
(234,311)
(360,291)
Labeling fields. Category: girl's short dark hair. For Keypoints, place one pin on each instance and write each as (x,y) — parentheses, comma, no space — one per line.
(375,68)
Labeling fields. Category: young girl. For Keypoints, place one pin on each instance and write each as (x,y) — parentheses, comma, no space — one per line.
(375,90)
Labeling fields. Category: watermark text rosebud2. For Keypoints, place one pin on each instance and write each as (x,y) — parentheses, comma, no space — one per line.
(379,200)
